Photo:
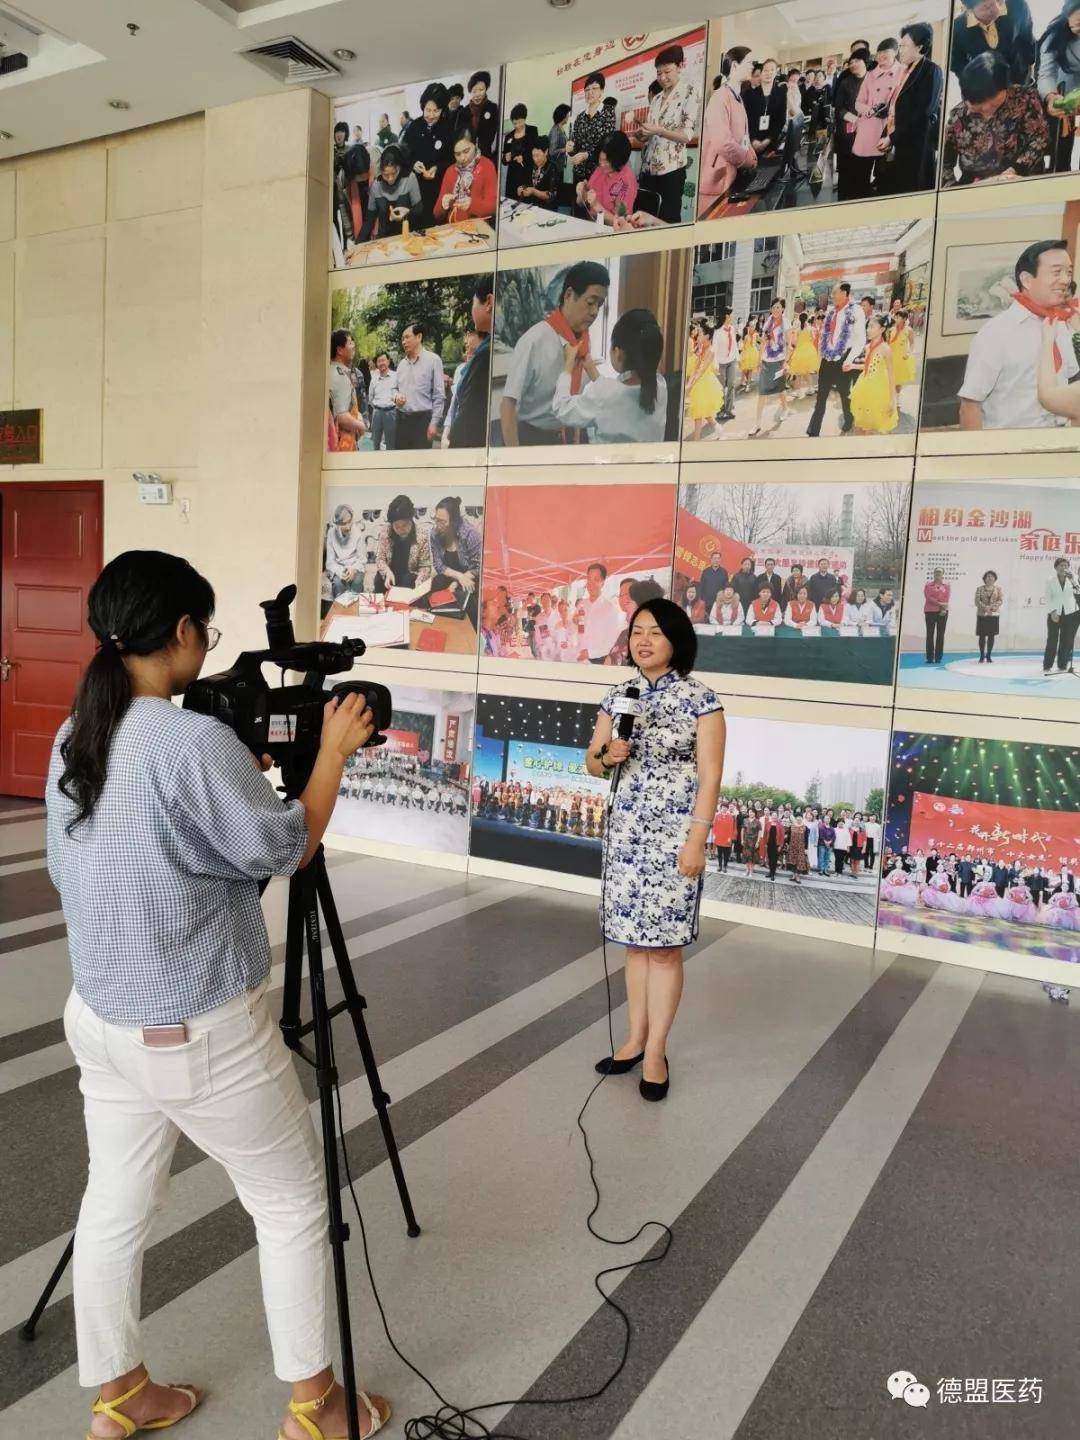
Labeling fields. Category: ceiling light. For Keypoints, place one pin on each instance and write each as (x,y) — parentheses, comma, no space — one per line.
(119,104)
(344,54)
(560,4)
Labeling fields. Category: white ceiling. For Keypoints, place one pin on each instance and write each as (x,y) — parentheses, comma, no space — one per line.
(185,58)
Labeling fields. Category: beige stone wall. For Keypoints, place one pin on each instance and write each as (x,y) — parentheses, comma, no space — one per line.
(162,299)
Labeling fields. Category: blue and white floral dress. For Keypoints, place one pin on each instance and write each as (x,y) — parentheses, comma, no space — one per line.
(646,902)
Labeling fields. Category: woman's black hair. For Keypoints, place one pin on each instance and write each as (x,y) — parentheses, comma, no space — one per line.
(641,340)
(990,572)
(735,56)
(677,629)
(1057,37)
(542,142)
(437,93)
(595,79)
(559,114)
(482,77)
(616,147)
(134,605)
(452,505)
(400,508)
(519,112)
(921,36)
(984,77)
(392,155)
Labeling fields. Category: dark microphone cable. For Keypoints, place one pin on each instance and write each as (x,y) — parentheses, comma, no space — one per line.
(452,1422)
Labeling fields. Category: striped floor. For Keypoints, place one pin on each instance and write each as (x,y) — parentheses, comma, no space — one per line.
(870,1165)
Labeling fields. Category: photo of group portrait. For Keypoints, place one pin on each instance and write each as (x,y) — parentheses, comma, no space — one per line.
(410,365)
(813,334)
(566,567)
(413,790)
(1013,91)
(797,581)
(992,590)
(798,820)
(981,844)
(533,801)
(401,566)
(590,352)
(416,170)
(603,137)
(803,109)
(1003,335)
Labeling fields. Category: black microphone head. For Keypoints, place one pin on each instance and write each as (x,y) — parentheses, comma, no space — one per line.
(626,721)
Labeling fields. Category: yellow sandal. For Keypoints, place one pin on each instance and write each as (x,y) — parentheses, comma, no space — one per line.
(108,1407)
(301,1409)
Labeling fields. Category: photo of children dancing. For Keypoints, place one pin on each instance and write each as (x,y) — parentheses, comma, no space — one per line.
(780,324)
(981,844)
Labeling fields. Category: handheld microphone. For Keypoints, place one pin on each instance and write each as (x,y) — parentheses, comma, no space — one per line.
(627,707)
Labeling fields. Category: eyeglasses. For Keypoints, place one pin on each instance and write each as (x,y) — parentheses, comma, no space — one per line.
(213,635)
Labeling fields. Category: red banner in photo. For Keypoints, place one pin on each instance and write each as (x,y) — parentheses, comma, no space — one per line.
(1050,838)
(402,742)
(451,742)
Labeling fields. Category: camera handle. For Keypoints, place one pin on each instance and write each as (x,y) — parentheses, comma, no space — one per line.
(308,890)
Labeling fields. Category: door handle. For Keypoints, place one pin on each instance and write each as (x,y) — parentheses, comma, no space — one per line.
(6,667)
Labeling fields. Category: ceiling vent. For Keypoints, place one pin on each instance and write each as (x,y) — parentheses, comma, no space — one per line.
(291,61)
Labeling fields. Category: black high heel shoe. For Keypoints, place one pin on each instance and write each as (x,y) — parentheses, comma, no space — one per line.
(655,1089)
(608,1066)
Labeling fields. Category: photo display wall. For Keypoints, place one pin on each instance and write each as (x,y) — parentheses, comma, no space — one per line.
(569,299)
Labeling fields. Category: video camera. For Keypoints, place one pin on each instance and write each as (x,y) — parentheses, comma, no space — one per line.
(286,723)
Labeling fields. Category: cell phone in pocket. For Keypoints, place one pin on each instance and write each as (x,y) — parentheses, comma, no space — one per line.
(164,1035)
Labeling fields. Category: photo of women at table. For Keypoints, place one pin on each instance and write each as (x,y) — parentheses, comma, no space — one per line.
(415,170)
(590,352)
(566,566)
(401,566)
(815,334)
(410,365)
(798,819)
(414,790)
(992,589)
(1003,335)
(622,122)
(803,110)
(981,843)
(1013,91)
(799,581)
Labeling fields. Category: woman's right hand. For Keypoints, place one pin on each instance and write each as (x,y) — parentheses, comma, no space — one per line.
(347,727)
(617,751)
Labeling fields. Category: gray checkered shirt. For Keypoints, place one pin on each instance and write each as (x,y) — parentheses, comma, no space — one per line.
(159,886)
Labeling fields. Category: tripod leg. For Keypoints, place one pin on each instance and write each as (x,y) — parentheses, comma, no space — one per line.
(28,1330)
(326,1075)
(294,947)
(356,1006)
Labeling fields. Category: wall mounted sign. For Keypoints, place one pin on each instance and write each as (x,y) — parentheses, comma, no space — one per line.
(20,437)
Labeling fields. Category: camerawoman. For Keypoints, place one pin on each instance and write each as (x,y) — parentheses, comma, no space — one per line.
(161,826)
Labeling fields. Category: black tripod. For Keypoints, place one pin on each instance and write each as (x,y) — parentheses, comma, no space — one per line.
(308,890)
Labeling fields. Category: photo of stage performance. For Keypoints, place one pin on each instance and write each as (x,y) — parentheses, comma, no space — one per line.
(533,802)
(414,790)
(604,135)
(982,843)
(798,824)
(812,101)
(796,581)
(992,589)
(813,334)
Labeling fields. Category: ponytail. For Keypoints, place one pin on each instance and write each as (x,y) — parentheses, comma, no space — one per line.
(639,337)
(135,606)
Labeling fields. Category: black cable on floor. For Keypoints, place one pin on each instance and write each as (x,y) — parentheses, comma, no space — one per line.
(452,1422)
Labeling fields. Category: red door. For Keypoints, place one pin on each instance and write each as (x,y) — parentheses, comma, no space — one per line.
(51,555)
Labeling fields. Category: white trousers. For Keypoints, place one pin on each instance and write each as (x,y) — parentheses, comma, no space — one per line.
(232,1089)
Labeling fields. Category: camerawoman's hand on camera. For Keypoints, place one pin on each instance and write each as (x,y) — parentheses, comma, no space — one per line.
(160,831)
(348,725)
